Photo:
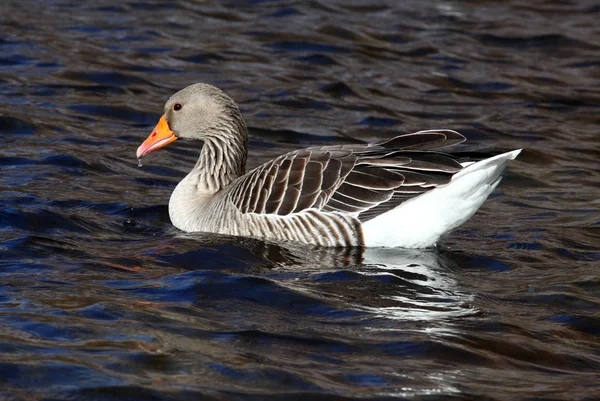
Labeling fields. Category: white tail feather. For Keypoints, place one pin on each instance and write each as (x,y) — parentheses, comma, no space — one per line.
(419,222)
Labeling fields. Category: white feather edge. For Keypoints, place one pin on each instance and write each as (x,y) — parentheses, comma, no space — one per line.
(419,222)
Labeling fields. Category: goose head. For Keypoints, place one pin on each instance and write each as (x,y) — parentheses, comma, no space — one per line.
(198,112)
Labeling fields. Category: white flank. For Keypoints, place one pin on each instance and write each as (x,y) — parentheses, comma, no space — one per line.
(420,221)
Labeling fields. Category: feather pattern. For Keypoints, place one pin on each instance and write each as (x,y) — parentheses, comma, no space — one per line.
(350,179)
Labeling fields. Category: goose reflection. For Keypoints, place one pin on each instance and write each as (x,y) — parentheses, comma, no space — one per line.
(392,283)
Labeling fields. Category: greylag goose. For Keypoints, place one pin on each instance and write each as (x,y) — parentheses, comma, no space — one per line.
(402,192)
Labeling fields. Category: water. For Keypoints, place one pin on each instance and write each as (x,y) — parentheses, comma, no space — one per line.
(101,299)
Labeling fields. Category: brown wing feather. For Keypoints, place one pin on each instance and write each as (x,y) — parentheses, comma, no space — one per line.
(424,140)
(362,179)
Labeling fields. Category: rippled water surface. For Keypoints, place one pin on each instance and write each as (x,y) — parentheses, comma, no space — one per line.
(102,299)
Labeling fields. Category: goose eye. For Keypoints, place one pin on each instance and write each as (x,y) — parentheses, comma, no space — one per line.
(177,107)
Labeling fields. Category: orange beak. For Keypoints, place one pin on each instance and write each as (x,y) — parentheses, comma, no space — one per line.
(161,136)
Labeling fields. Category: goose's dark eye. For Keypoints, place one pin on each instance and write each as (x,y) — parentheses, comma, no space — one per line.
(177,107)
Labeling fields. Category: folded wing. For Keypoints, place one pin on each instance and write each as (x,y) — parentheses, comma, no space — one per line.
(361,180)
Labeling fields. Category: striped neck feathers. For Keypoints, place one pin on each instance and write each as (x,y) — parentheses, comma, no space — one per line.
(223,156)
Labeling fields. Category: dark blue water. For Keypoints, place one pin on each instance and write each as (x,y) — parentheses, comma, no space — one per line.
(102,299)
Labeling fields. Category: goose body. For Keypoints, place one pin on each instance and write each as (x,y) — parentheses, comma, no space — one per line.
(403,192)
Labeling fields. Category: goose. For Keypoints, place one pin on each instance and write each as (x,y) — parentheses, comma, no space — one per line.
(406,191)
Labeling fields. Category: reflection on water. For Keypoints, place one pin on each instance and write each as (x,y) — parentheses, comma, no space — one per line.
(101,298)
(431,291)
